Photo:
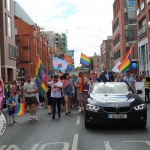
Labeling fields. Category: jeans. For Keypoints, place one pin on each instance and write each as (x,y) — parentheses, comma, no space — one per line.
(58,102)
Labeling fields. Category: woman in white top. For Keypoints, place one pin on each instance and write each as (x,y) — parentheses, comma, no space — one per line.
(56,87)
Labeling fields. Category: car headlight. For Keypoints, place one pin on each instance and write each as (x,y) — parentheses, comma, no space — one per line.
(92,107)
(140,107)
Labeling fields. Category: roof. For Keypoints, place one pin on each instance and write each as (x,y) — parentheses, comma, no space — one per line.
(20,13)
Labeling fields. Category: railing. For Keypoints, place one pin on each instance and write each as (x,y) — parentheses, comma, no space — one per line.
(142,6)
(142,31)
(138,12)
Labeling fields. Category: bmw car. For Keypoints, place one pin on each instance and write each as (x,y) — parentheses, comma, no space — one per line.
(115,102)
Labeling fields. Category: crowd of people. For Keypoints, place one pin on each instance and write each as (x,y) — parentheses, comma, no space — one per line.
(63,91)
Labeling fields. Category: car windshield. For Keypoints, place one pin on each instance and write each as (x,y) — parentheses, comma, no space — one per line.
(111,88)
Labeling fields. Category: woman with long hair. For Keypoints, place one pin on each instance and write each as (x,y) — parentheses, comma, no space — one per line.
(68,90)
(1,92)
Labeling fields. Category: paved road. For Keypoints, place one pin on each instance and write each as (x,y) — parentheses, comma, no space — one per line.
(68,133)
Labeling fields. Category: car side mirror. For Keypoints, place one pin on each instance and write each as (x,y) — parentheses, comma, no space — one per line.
(139,92)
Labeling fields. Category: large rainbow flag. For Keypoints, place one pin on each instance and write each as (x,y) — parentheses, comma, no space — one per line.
(127,63)
(40,77)
(84,60)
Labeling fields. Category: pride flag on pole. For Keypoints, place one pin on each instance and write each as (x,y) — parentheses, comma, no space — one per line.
(127,62)
(40,77)
(84,60)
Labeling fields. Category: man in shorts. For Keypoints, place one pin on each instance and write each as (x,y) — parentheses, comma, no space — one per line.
(29,95)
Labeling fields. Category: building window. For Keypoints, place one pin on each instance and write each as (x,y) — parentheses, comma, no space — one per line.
(8,5)
(16,30)
(9,27)
(6,23)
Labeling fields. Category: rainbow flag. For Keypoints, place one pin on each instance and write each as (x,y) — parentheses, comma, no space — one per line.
(40,77)
(83,82)
(84,60)
(127,62)
(20,109)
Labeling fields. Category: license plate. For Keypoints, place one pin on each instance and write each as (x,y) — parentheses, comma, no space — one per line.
(116,116)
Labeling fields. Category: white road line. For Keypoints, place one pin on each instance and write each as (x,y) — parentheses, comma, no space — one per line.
(66,145)
(148,108)
(78,120)
(12,147)
(75,142)
(107,145)
(2,147)
(147,142)
(34,147)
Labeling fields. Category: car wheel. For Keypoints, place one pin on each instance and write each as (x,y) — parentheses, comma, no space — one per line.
(87,125)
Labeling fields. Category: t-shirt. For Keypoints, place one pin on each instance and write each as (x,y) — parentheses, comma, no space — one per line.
(11,100)
(129,80)
(55,92)
(28,87)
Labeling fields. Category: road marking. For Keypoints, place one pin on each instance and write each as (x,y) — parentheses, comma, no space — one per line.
(66,145)
(78,120)
(107,145)
(147,142)
(14,147)
(2,147)
(34,146)
(75,142)
(148,108)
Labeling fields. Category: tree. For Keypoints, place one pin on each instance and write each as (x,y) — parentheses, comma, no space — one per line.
(91,59)
(78,68)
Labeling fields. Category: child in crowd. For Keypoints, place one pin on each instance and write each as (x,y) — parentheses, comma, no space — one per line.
(11,107)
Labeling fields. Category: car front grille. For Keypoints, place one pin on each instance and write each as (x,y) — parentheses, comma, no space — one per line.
(109,109)
(124,109)
(114,109)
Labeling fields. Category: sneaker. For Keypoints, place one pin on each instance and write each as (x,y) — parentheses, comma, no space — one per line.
(9,122)
(39,107)
(15,121)
(31,119)
(35,119)
(53,117)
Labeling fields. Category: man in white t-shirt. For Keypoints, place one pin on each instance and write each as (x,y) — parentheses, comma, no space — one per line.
(56,87)
(29,95)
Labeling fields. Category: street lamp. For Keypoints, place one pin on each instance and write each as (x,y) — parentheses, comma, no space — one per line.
(29,53)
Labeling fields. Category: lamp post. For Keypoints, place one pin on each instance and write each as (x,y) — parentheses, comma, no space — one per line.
(29,53)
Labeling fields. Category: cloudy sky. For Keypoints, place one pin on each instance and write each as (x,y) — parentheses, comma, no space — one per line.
(88,21)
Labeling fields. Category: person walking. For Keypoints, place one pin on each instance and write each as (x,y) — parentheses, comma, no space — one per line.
(30,89)
(50,103)
(68,90)
(80,96)
(56,87)
(147,87)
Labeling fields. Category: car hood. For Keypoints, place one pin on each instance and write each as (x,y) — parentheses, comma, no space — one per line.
(111,100)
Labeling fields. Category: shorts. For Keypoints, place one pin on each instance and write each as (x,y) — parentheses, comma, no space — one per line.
(68,93)
(30,100)
(10,112)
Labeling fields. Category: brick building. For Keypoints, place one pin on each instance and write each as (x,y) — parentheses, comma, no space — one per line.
(143,28)
(97,62)
(106,50)
(124,29)
(31,41)
(7,41)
